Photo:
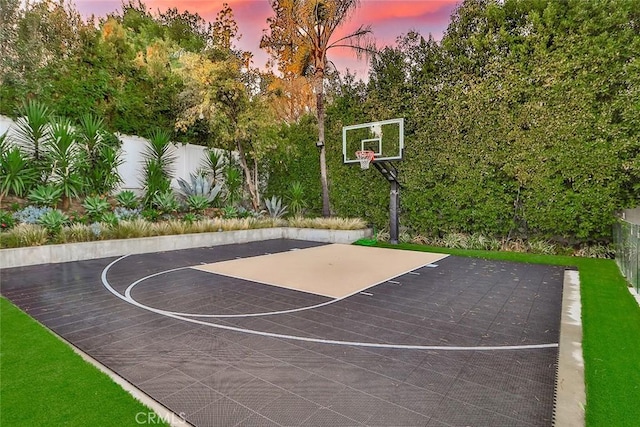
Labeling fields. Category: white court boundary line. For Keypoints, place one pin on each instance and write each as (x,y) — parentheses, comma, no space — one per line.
(127,298)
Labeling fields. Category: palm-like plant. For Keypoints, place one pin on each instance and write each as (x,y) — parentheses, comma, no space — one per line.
(16,175)
(213,164)
(102,159)
(300,34)
(158,163)
(33,130)
(65,158)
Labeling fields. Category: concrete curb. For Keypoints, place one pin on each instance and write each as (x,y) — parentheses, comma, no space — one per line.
(570,396)
(33,255)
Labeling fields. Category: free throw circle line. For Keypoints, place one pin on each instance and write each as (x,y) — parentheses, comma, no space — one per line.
(108,286)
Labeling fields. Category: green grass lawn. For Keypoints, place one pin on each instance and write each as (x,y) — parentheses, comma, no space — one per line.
(611,333)
(43,382)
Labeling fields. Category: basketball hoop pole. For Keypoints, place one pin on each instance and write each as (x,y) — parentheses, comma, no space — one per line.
(389,171)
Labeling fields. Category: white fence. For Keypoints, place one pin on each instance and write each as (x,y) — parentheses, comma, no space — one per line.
(188,158)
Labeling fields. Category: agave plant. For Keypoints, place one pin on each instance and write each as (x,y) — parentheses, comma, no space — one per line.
(45,195)
(166,202)
(199,186)
(275,208)
(127,199)
(53,221)
(197,203)
(95,207)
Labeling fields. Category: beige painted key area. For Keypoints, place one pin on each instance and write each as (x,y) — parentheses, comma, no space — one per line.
(335,270)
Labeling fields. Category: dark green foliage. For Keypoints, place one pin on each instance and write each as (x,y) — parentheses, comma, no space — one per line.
(6,220)
(157,170)
(16,175)
(298,161)
(522,122)
(100,149)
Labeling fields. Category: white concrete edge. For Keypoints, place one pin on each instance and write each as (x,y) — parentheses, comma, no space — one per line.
(49,254)
(570,395)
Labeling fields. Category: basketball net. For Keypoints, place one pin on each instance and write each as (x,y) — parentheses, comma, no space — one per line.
(365,157)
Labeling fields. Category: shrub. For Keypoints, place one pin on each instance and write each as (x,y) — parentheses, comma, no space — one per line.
(295,195)
(6,220)
(16,174)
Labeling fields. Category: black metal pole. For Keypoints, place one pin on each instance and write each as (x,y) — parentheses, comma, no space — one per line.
(393,212)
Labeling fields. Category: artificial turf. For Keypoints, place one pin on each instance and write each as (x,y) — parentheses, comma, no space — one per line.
(610,328)
(43,382)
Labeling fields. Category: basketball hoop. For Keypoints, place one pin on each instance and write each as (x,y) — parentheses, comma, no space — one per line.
(365,157)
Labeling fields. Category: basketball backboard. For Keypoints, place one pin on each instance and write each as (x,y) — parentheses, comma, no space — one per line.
(385,138)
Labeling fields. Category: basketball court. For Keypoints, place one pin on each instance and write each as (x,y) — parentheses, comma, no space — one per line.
(298,333)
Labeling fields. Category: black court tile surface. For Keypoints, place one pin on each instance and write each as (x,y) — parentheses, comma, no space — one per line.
(154,328)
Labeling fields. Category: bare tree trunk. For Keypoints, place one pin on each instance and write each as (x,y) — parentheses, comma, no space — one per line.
(253,191)
(326,207)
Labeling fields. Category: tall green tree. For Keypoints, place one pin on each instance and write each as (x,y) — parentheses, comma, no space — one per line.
(299,37)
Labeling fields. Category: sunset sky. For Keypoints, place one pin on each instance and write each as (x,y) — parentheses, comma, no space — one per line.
(388,19)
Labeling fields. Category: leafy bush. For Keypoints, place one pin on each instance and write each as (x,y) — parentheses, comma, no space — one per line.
(150,214)
(6,220)
(31,214)
(45,195)
(16,174)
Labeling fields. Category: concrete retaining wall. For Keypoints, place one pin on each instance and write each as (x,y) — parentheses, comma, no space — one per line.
(19,257)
